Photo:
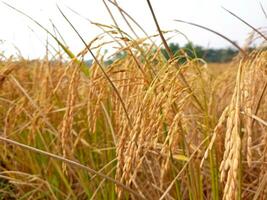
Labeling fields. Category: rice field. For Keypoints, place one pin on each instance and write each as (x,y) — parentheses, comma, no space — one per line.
(142,127)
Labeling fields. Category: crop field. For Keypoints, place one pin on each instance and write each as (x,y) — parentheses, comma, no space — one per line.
(140,127)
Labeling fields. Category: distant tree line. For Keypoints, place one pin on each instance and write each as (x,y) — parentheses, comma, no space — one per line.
(211,55)
(218,55)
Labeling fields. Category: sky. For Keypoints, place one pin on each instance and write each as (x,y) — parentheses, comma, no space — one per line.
(20,36)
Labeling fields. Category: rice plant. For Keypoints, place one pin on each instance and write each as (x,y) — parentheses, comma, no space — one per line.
(140,127)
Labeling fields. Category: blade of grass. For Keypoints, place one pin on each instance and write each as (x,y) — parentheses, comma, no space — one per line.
(259,101)
(71,162)
(71,55)
(159,30)
(126,21)
(215,32)
(47,42)
(131,18)
(263,10)
(242,20)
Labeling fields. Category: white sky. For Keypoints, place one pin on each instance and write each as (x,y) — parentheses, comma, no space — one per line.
(16,30)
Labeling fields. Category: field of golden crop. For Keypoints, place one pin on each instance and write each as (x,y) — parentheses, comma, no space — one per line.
(202,136)
(142,127)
